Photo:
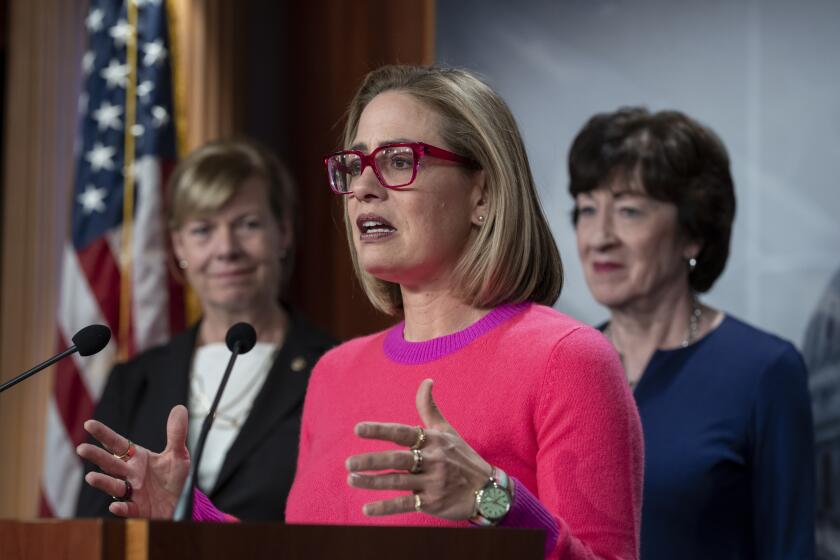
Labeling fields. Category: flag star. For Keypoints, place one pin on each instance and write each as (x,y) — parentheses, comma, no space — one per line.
(101,157)
(92,200)
(154,52)
(138,130)
(159,116)
(144,89)
(115,74)
(121,32)
(94,20)
(88,60)
(108,116)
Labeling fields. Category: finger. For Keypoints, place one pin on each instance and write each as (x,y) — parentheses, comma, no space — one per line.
(176,430)
(114,487)
(383,460)
(390,481)
(400,434)
(124,509)
(110,440)
(102,459)
(403,504)
(428,410)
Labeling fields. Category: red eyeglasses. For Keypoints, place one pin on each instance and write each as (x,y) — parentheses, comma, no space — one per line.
(395,165)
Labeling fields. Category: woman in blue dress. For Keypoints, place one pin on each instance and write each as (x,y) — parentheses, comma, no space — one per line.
(725,409)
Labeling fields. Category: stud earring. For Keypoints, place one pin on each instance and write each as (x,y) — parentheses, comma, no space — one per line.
(692,264)
(481,219)
(183,264)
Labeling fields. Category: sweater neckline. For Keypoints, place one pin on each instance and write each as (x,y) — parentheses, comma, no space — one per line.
(399,350)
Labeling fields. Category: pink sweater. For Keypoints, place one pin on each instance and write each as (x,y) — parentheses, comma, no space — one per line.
(531,390)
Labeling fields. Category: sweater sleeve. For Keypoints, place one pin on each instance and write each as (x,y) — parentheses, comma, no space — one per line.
(205,510)
(590,456)
(783,461)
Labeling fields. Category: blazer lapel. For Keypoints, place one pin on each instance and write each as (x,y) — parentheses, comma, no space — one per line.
(282,393)
(169,383)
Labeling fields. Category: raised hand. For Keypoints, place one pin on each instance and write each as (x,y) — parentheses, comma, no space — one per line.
(442,471)
(154,479)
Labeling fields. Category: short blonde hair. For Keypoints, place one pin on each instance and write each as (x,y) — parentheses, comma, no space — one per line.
(513,257)
(204,181)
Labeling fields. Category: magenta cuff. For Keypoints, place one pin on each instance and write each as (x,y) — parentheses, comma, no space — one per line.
(204,510)
(527,512)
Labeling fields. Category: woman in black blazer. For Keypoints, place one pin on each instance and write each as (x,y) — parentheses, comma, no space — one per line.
(229,212)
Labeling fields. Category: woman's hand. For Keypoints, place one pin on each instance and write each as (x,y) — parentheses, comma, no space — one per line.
(450,471)
(155,480)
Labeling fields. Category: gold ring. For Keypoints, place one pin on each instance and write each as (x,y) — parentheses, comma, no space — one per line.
(418,503)
(417,466)
(421,438)
(129,452)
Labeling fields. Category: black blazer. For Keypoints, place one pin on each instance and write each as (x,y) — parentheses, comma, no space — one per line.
(258,470)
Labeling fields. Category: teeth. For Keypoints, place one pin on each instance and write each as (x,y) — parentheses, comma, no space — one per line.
(378,230)
(371,224)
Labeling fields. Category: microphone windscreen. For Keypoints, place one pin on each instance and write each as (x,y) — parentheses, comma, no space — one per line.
(242,335)
(92,339)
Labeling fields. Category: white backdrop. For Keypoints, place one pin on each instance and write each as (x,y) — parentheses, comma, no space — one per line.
(764,75)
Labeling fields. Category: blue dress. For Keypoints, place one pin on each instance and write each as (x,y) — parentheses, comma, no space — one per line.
(729,450)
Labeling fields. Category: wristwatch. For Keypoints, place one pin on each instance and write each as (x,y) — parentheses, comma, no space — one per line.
(493,500)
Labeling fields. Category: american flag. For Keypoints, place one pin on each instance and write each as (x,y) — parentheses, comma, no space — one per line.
(114,268)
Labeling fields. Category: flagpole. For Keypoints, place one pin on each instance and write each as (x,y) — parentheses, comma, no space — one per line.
(128,186)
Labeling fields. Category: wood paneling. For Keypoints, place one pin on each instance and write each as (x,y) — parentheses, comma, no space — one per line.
(45,46)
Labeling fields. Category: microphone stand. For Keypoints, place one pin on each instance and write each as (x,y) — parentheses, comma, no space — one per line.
(30,372)
(184,507)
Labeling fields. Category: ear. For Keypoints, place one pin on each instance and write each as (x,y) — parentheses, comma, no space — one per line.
(478,196)
(177,244)
(692,248)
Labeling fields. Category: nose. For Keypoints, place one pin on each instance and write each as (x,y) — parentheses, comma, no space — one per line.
(604,235)
(366,187)
(227,244)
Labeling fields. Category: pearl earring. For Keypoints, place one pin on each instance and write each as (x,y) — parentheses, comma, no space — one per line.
(692,264)
(481,219)
(183,264)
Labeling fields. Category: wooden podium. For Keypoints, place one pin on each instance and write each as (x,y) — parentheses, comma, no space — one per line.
(139,539)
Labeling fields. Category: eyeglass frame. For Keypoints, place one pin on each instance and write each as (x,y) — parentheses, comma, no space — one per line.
(420,150)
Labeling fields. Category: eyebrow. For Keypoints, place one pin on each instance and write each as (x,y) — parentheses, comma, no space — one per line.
(361,146)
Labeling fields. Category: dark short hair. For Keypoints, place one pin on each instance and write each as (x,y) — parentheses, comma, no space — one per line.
(676,159)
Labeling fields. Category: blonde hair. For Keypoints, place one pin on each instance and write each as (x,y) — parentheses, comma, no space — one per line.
(513,257)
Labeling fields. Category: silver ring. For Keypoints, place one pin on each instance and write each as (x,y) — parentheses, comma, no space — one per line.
(421,438)
(417,466)
(418,503)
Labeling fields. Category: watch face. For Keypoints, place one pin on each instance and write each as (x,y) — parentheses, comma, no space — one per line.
(494,502)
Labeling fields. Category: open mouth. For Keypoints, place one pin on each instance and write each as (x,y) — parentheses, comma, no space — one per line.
(374,227)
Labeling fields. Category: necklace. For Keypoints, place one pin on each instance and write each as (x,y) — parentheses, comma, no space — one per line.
(691,333)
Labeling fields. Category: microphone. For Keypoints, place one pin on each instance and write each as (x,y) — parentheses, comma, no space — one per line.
(86,342)
(240,338)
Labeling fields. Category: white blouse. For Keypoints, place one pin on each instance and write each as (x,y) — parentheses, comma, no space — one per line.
(247,378)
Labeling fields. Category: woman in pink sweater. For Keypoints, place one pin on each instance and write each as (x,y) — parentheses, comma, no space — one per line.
(531,423)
